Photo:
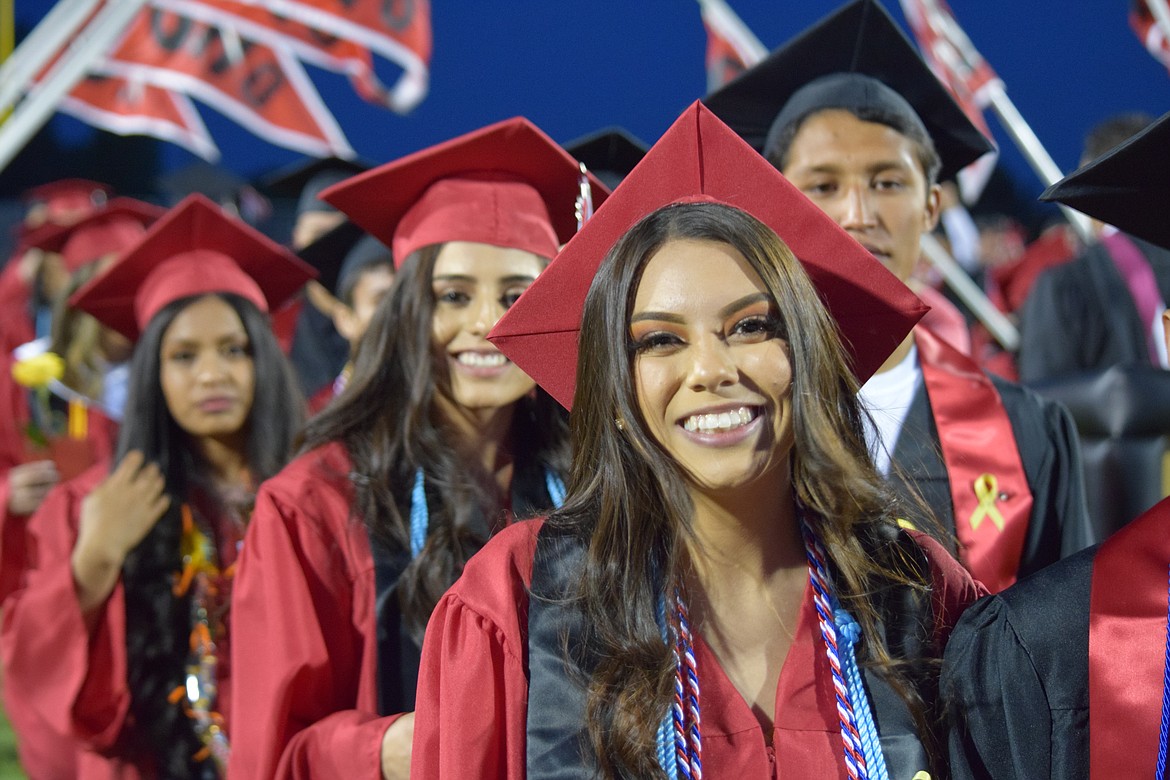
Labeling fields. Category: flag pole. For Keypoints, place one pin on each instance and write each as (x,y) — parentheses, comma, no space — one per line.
(1009,117)
(999,326)
(1017,127)
(93,42)
(40,46)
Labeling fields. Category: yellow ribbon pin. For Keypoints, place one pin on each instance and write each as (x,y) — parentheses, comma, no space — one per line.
(987,491)
(921,776)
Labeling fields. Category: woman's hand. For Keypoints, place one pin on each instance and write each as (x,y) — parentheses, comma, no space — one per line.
(115,517)
(396,748)
(28,484)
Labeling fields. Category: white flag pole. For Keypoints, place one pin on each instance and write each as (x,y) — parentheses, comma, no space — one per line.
(93,42)
(40,46)
(999,326)
(1010,118)
(1012,121)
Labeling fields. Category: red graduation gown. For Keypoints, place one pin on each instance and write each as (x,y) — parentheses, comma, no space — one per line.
(471,704)
(60,678)
(305,646)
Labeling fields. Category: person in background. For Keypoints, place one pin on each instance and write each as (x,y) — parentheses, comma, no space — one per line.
(70,422)
(999,466)
(723,519)
(1106,304)
(317,351)
(437,442)
(119,637)
(1064,674)
(357,271)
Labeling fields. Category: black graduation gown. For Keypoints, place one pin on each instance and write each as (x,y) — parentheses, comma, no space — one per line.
(1047,441)
(1080,316)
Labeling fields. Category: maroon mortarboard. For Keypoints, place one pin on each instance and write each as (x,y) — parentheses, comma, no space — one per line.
(856,58)
(700,159)
(115,227)
(507,185)
(67,196)
(194,249)
(1127,187)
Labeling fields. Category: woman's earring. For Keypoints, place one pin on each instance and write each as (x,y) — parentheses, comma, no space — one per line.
(621,426)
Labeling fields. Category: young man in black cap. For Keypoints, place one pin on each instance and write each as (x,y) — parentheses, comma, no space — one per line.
(1066,674)
(1106,303)
(851,114)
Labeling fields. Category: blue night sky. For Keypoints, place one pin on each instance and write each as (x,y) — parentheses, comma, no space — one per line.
(575,67)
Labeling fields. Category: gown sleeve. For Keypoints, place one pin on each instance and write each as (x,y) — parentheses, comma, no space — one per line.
(1014,679)
(472,703)
(997,701)
(74,679)
(296,653)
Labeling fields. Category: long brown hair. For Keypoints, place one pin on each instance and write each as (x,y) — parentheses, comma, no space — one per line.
(388,421)
(628,497)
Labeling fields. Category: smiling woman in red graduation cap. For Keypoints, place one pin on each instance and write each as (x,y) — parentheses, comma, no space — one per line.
(119,636)
(724,592)
(437,441)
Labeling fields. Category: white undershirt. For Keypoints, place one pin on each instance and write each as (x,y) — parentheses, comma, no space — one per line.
(887,397)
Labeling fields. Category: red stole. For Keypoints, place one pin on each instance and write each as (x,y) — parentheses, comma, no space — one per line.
(1127,647)
(990,492)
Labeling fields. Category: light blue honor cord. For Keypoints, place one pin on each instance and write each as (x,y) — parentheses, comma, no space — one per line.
(420,519)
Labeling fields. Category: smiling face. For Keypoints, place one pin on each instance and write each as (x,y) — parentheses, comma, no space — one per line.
(866,177)
(207,374)
(474,284)
(712,374)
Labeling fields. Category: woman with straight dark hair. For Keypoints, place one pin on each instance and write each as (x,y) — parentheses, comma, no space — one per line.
(119,637)
(725,590)
(436,442)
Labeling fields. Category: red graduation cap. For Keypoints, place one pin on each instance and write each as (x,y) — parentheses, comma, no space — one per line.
(701,159)
(193,250)
(507,184)
(67,195)
(114,228)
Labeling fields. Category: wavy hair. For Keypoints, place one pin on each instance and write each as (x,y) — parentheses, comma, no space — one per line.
(629,498)
(389,423)
(158,625)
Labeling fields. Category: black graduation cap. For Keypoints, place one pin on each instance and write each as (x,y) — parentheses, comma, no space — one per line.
(1127,187)
(341,253)
(610,153)
(204,178)
(303,180)
(859,38)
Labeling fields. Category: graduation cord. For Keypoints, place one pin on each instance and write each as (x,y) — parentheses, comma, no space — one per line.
(863,752)
(1164,731)
(680,728)
(420,517)
(679,742)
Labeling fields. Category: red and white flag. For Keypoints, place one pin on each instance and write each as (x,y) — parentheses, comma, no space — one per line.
(1145,25)
(128,107)
(731,47)
(245,58)
(338,35)
(959,66)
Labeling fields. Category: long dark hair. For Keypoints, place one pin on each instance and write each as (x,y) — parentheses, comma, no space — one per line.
(629,499)
(158,625)
(388,421)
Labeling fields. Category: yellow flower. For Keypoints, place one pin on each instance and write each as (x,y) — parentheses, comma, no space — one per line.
(38,371)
